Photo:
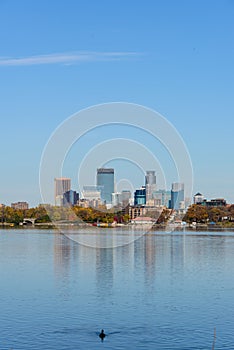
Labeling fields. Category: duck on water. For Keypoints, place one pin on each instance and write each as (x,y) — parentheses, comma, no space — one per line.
(102,334)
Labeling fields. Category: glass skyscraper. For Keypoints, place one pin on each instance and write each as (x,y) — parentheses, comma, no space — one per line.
(140,197)
(105,180)
(177,195)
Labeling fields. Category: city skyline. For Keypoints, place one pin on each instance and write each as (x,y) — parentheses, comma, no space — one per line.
(179,62)
(98,194)
(63,191)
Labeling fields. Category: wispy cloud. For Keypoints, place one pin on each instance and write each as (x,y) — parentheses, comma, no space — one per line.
(66,58)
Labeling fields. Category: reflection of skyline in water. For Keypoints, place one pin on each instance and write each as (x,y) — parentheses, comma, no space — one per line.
(168,286)
(104,270)
(62,263)
(153,254)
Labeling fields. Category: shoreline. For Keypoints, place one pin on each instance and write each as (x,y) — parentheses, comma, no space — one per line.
(155,227)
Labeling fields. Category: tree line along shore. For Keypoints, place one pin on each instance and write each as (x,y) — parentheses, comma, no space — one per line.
(199,214)
(76,214)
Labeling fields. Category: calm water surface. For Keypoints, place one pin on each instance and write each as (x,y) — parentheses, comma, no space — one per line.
(164,291)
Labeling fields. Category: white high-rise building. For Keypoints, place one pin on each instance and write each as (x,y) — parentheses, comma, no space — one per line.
(150,184)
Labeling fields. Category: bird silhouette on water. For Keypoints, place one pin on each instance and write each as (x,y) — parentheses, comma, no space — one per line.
(102,335)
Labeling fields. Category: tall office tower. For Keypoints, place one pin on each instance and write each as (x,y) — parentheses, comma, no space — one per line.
(177,196)
(61,185)
(140,196)
(150,184)
(105,179)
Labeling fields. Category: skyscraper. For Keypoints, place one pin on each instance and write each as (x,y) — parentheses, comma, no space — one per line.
(177,196)
(61,185)
(150,184)
(105,179)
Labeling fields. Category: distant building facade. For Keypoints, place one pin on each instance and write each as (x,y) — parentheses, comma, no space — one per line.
(198,198)
(150,184)
(70,198)
(105,179)
(140,196)
(116,199)
(126,196)
(61,185)
(121,199)
(162,198)
(217,202)
(143,210)
(91,192)
(20,205)
(87,203)
(177,196)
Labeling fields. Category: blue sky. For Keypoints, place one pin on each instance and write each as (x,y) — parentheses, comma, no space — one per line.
(176,57)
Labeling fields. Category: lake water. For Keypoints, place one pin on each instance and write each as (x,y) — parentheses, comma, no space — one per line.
(163,291)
